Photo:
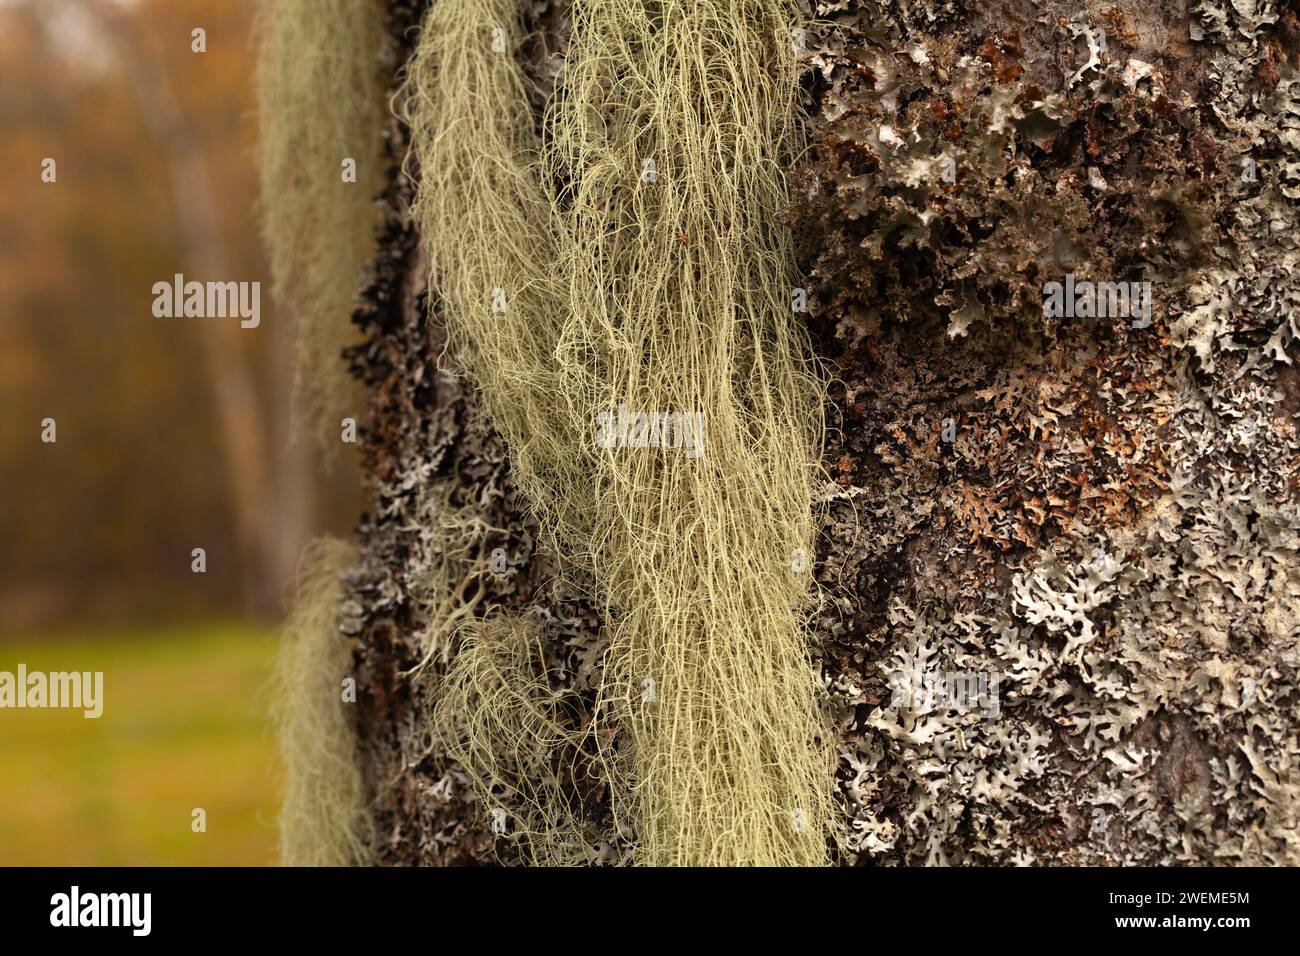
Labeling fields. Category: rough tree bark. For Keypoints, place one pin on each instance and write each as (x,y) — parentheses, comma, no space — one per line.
(1099,515)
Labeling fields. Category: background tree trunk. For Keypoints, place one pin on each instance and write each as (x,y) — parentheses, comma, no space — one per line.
(1096,515)
(272,517)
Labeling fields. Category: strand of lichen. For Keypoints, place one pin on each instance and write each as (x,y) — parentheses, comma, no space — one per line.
(499,713)
(320,89)
(680,288)
(487,227)
(664,295)
(324,819)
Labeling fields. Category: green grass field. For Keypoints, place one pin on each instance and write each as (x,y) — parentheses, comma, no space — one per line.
(185,725)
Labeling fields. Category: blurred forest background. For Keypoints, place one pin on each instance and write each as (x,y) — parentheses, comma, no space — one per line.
(172,434)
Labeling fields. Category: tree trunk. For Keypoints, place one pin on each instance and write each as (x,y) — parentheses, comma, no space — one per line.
(1059,580)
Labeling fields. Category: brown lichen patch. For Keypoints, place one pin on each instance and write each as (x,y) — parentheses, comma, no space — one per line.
(1104,515)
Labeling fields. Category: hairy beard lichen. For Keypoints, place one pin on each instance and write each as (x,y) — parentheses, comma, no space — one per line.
(324,819)
(321,106)
(502,714)
(572,282)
